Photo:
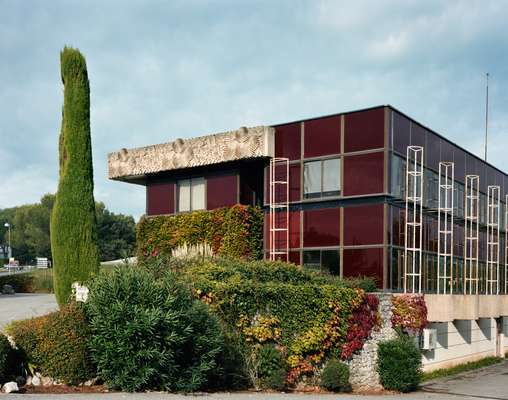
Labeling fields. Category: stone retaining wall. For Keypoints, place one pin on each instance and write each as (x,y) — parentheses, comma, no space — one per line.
(362,367)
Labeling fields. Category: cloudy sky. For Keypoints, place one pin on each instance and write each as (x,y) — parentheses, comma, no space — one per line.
(160,70)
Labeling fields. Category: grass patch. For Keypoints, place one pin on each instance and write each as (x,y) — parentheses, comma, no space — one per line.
(444,372)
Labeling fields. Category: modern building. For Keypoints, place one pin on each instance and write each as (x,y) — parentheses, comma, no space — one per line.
(336,192)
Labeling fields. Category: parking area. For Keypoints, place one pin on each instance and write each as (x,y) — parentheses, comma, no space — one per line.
(485,383)
(25,305)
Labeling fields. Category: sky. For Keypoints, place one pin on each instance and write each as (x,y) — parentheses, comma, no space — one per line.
(161,70)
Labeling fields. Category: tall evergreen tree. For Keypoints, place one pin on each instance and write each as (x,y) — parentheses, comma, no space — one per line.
(73,220)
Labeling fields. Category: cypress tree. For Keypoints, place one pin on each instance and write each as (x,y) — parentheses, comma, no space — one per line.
(73,220)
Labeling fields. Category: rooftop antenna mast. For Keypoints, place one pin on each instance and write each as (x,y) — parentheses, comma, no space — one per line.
(486,113)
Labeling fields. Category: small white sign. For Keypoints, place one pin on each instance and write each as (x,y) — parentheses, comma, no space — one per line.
(80,292)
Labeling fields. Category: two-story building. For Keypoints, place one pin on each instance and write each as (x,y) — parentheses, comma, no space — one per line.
(363,193)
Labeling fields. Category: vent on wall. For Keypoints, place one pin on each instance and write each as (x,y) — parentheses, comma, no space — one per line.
(428,339)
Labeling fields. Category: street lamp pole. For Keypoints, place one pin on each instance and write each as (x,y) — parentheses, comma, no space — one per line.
(9,250)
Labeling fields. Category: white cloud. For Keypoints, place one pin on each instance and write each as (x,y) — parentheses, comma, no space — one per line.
(183,69)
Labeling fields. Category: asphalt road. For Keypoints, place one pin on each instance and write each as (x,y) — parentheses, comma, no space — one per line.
(25,305)
(486,383)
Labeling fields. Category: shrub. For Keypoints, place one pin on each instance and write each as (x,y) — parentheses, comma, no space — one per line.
(150,333)
(399,364)
(232,373)
(39,281)
(335,377)
(22,283)
(56,344)
(272,369)
(231,231)
(366,283)
(73,219)
(409,313)
(6,358)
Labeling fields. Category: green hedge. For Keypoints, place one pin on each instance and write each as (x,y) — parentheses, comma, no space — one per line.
(22,283)
(335,377)
(56,344)
(38,281)
(230,231)
(400,364)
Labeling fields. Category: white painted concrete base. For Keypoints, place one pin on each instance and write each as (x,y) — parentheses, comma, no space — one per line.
(461,341)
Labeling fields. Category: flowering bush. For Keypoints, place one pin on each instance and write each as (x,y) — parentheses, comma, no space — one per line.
(261,329)
(310,350)
(409,313)
(364,318)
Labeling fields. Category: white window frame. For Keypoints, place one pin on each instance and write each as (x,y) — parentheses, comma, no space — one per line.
(321,194)
(192,182)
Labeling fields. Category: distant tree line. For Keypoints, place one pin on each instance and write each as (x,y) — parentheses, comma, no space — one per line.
(30,235)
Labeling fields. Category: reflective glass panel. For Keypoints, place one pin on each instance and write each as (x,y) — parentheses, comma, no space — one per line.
(330,262)
(312,259)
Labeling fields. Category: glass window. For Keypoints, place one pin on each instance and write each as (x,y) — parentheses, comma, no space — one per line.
(312,179)
(331,177)
(321,178)
(330,261)
(198,194)
(398,176)
(324,261)
(191,194)
(312,259)
(184,194)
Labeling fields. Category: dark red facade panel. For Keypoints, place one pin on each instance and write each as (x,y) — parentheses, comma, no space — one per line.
(364,262)
(322,137)
(321,227)
(288,141)
(160,199)
(221,191)
(364,130)
(363,225)
(294,229)
(363,174)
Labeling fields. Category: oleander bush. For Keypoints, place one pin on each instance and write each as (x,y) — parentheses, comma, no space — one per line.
(335,377)
(230,231)
(399,364)
(56,344)
(150,333)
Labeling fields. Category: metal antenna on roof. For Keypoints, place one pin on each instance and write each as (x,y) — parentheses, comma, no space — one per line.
(486,113)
